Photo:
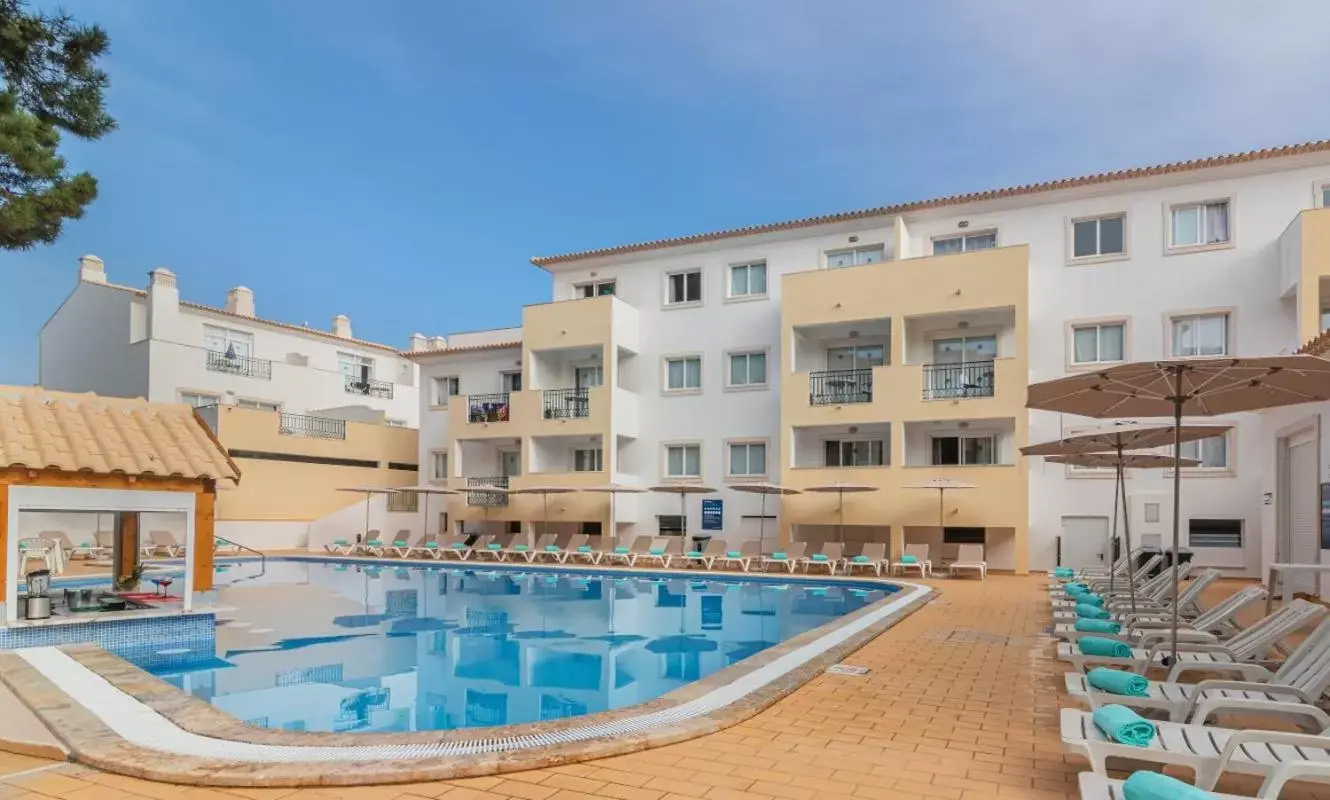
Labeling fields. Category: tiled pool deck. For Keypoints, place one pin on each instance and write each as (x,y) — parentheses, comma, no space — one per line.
(961,703)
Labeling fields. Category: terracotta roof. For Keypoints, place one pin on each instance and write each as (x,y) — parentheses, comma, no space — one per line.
(106,435)
(950,200)
(449,351)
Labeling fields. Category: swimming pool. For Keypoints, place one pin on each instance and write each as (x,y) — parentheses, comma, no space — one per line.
(338,647)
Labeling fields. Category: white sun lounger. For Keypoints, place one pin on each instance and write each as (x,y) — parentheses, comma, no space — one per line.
(1158,590)
(1151,619)
(787,557)
(920,552)
(1098,787)
(831,553)
(706,556)
(873,556)
(1119,568)
(657,551)
(971,557)
(748,552)
(341,547)
(1158,597)
(1121,579)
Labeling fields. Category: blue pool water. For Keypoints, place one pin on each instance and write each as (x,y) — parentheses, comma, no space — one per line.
(334,647)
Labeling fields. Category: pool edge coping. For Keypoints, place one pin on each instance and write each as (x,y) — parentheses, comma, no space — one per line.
(92,742)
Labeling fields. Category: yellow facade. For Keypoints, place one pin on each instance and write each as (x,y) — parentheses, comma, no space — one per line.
(890,295)
(1312,229)
(280,487)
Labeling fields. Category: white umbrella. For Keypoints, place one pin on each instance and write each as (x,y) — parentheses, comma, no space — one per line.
(840,490)
(426,491)
(941,485)
(1192,387)
(368,491)
(613,489)
(544,492)
(683,490)
(763,489)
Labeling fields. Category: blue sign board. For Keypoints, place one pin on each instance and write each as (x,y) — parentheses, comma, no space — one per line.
(712,515)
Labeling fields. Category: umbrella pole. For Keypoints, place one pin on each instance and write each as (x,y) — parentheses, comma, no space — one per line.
(425,528)
(547,514)
(1113,531)
(1126,527)
(1177,496)
(614,526)
(368,495)
(840,518)
(762,526)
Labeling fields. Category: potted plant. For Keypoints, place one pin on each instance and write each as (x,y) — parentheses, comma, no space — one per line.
(129,581)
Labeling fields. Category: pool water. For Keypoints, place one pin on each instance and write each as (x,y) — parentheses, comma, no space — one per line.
(322,646)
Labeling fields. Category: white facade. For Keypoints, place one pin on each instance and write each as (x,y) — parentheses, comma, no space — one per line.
(124,342)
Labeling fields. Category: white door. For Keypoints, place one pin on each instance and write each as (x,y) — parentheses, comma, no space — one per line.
(1303,510)
(1084,542)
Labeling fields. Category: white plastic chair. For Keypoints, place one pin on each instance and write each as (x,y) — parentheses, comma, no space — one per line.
(971,557)
(920,552)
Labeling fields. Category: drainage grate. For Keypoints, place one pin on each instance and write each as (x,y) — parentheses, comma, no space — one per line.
(961,636)
(847,669)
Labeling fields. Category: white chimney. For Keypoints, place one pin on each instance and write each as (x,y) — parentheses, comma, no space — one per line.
(163,304)
(419,342)
(92,269)
(240,300)
(438,343)
(341,327)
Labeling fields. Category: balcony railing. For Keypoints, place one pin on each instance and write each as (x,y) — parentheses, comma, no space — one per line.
(487,499)
(566,403)
(369,387)
(954,381)
(243,366)
(487,407)
(840,386)
(311,427)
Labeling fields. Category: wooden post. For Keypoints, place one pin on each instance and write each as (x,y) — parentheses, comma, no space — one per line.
(205,505)
(126,544)
(4,540)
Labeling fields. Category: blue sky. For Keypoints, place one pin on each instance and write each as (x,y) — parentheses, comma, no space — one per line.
(399,162)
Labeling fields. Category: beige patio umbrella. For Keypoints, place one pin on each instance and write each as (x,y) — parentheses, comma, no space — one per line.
(941,485)
(1192,387)
(1120,462)
(763,489)
(368,491)
(683,490)
(840,490)
(1118,438)
(425,491)
(544,492)
(613,490)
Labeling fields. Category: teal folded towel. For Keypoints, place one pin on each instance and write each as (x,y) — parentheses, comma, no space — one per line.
(909,559)
(400,543)
(521,548)
(493,546)
(861,559)
(1116,681)
(459,545)
(1124,726)
(86,544)
(1064,572)
(586,548)
(1090,599)
(1075,587)
(779,556)
(819,557)
(374,543)
(656,551)
(431,545)
(694,553)
(1158,786)
(1098,626)
(621,550)
(733,554)
(552,548)
(1090,612)
(1108,648)
(342,542)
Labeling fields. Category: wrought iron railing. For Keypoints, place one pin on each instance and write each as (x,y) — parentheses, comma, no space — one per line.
(951,381)
(311,427)
(370,387)
(487,499)
(566,403)
(487,407)
(243,366)
(839,386)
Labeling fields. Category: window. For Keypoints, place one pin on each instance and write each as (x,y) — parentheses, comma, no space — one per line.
(237,344)
(748,369)
(683,461)
(671,524)
(354,367)
(199,400)
(864,453)
(1212,452)
(1101,236)
(963,535)
(588,460)
(986,240)
(748,280)
(1151,512)
(444,388)
(1097,344)
(438,469)
(514,526)
(1325,319)
(963,450)
(856,256)
(685,287)
(258,405)
(1200,335)
(748,459)
(403,502)
(588,377)
(594,289)
(863,356)
(512,381)
(1214,533)
(683,374)
(1199,224)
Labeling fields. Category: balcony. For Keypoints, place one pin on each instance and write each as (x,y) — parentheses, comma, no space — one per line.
(487,499)
(244,366)
(956,381)
(488,407)
(369,387)
(840,387)
(311,427)
(566,403)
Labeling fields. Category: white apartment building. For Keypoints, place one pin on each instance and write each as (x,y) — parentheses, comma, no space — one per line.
(125,342)
(887,346)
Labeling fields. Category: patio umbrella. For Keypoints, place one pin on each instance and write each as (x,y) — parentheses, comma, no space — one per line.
(941,485)
(544,492)
(1121,462)
(763,489)
(368,491)
(613,489)
(840,490)
(683,490)
(1193,387)
(426,491)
